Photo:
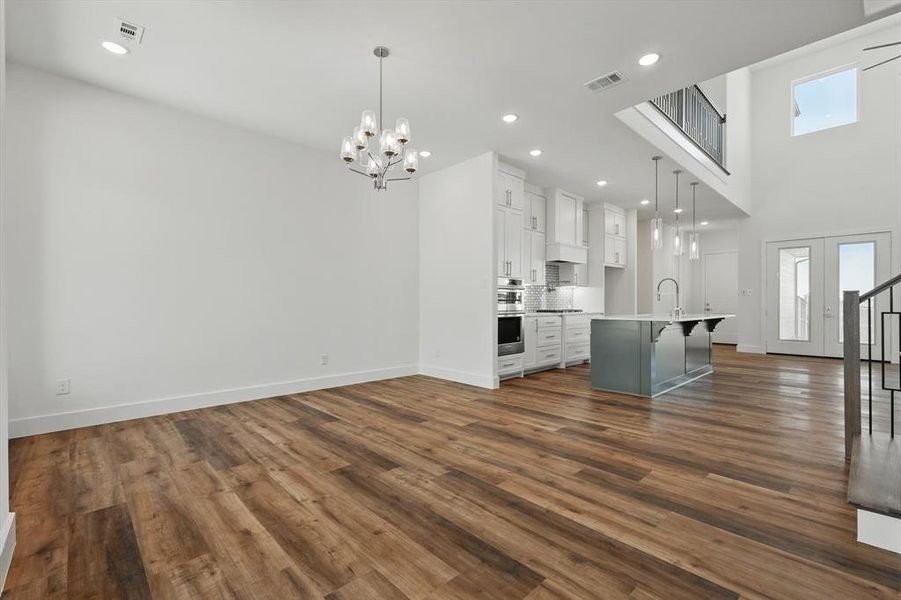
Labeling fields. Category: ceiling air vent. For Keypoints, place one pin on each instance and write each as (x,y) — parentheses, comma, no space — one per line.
(605,81)
(129,30)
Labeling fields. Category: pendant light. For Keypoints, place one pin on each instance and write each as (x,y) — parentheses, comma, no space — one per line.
(694,238)
(656,222)
(677,236)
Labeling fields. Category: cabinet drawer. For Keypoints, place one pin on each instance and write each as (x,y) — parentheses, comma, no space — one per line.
(548,356)
(507,365)
(580,322)
(547,337)
(578,352)
(578,335)
(547,322)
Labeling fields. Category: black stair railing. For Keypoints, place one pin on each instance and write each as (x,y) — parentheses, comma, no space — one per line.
(694,114)
(852,302)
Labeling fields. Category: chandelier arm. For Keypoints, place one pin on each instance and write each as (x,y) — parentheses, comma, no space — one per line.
(363,173)
(400,178)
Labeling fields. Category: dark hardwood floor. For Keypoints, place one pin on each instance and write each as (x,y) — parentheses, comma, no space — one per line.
(733,486)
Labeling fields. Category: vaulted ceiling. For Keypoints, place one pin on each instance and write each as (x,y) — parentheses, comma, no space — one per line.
(305,70)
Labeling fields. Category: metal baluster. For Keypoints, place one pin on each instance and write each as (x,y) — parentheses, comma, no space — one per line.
(870,360)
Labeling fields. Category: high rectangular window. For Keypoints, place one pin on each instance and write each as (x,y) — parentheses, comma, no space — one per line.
(824,101)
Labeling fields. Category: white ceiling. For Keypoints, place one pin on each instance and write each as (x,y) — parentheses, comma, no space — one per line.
(305,70)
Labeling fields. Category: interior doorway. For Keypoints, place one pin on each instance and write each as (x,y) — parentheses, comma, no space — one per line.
(721,293)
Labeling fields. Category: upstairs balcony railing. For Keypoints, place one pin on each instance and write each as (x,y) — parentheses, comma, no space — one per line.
(853,302)
(696,116)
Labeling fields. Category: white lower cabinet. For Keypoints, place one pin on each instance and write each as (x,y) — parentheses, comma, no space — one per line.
(543,340)
(509,365)
(576,338)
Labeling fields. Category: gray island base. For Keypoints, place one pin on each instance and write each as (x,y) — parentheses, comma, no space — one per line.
(649,355)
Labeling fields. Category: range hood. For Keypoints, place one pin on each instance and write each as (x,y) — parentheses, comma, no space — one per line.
(566,253)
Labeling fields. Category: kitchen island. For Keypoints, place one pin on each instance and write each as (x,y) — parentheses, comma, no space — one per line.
(648,355)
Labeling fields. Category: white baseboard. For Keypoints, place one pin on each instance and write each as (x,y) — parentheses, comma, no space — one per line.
(483,381)
(750,349)
(7,545)
(879,530)
(148,408)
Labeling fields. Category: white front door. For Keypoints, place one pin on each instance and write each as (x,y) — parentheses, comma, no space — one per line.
(795,297)
(721,293)
(806,279)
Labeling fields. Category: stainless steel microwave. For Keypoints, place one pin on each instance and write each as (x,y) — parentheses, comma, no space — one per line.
(511,296)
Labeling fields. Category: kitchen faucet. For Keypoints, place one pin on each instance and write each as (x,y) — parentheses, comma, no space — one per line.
(677,310)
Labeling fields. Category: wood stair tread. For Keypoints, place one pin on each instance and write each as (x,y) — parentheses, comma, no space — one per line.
(874,482)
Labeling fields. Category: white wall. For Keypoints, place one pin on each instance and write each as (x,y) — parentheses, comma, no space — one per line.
(655,265)
(841,180)
(457,302)
(7,520)
(164,261)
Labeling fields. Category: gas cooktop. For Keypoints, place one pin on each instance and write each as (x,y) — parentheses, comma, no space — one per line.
(562,310)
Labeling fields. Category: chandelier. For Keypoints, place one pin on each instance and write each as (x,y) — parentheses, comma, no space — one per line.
(373,153)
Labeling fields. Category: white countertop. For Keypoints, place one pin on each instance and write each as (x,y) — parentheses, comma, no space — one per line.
(663,317)
(563,314)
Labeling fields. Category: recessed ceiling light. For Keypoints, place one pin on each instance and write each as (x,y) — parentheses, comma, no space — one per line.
(704,223)
(602,183)
(645,202)
(677,210)
(425,153)
(535,152)
(509,118)
(114,47)
(648,59)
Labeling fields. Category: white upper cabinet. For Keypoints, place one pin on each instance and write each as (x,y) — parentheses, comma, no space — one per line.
(615,222)
(509,187)
(573,274)
(508,237)
(565,218)
(513,242)
(533,259)
(615,235)
(535,211)
(584,227)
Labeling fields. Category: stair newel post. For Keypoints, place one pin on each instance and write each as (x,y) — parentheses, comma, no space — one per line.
(851,310)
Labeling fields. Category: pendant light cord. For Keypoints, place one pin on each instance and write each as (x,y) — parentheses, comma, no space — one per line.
(694,189)
(381,123)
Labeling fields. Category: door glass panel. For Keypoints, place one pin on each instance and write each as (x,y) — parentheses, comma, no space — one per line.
(856,271)
(794,294)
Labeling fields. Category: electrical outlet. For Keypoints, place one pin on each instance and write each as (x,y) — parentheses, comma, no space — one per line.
(323,359)
(62,387)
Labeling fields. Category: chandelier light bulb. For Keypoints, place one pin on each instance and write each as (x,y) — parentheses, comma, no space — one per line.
(348,151)
(359,138)
(411,160)
(402,130)
(677,243)
(678,211)
(372,168)
(368,123)
(388,144)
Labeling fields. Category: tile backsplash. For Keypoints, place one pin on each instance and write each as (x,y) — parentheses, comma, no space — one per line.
(539,296)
